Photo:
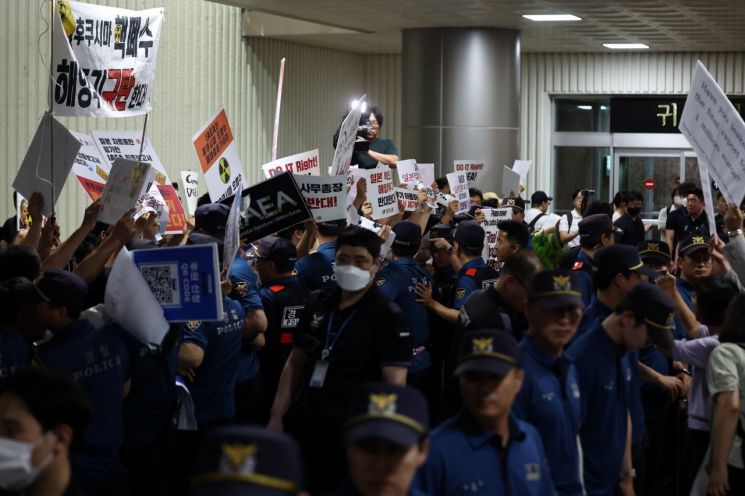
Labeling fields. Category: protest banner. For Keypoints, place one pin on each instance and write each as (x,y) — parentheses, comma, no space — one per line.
(152,201)
(444,199)
(130,303)
(492,217)
(703,172)
(218,156)
(300,163)
(522,167)
(127,144)
(324,195)
(91,170)
(716,132)
(427,173)
(472,168)
(408,197)
(128,182)
(380,191)
(23,219)
(43,171)
(408,172)
(232,240)
(104,59)
(190,190)
(345,143)
(510,183)
(276,203)
(185,280)
(459,190)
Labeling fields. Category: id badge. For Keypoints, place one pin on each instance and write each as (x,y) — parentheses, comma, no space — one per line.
(319,374)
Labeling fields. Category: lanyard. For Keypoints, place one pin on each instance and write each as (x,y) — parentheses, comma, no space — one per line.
(331,342)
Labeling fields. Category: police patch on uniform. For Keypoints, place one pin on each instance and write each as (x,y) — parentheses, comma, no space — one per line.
(482,345)
(382,404)
(291,316)
(238,458)
(577,265)
(532,472)
(460,293)
(562,283)
(317,319)
(241,288)
(193,325)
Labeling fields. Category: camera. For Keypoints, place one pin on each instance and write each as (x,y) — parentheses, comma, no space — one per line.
(363,129)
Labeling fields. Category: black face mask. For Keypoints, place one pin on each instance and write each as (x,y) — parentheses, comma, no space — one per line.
(634,211)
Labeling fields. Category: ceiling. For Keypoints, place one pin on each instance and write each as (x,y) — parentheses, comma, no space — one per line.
(664,25)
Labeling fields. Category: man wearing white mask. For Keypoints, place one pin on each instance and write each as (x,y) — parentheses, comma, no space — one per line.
(41,411)
(675,215)
(348,335)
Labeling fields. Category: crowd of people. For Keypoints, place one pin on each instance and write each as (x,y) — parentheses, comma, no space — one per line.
(592,355)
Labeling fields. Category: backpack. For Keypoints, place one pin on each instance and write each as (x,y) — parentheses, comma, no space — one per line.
(531,226)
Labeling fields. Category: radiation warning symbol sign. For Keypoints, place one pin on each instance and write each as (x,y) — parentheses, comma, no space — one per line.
(224,168)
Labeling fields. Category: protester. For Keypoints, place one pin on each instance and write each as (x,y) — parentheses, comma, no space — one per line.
(537,214)
(569,223)
(629,226)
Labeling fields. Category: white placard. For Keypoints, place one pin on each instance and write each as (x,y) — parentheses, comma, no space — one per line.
(232,241)
(353,177)
(522,167)
(510,183)
(90,168)
(128,182)
(703,172)
(444,199)
(492,217)
(380,191)
(324,195)
(459,189)
(427,172)
(300,163)
(408,197)
(345,143)
(408,172)
(472,168)
(153,201)
(716,132)
(190,187)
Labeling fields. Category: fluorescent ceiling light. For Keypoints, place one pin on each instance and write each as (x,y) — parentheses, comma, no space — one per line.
(625,46)
(584,107)
(603,107)
(552,17)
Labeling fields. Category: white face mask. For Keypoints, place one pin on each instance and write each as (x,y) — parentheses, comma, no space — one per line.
(681,201)
(16,469)
(351,278)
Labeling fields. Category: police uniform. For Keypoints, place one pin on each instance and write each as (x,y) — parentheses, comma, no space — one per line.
(316,270)
(15,352)
(474,274)
(583,267)
(594,314)
(688,246)
(629,231)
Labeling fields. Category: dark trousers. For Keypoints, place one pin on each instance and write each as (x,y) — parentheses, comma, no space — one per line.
(249,407)
(698,443)
(736,479)
(148,465)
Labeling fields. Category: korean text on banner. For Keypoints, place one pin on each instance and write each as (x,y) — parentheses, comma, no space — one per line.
(89,167)
(104,59)
(326,196)
(510,182)
(300,163)
(472,168)
(380,191)
(127,144)
(345,143)
(716,132)
(427,172)
(408,197)
(184,279)
(408,172)
(522,167)
(128,181)
(492,217)
(459,189)
(276,204)
(218,156)
(153,201)
(41,169)
(190,188)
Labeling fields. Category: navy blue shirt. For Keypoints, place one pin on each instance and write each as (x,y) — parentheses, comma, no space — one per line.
(397,281)
(316,270)
(603,375)
(686,292)
(214,383)
(595,313)
(464,459)
(632,230)
(467,282)
(583,268)
(14,352)
(550,400)
(246,292)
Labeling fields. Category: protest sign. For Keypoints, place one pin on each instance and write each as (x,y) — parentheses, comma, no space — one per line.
(408,197)
(492,217)
(376,228)
(324,195)
(23,219)
(353,217)
(444,199)
(190,188)
(232,241)
(703,172)
(104,59)
(152,201)
(522,167)
(459,190)
(185,280)
(128,181)
(510,182)
(42,170)
(130,303)
(345,143)
(427,172)
(408,172)
(91,170)
(276,203)
(353,177)
(716,132)
(380,191)
(218,156)
(300,163)
(472,168)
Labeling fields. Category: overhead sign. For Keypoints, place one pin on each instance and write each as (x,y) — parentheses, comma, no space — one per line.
(104,59)
(128,182)
(459,190)
(380,191)
(90,168)
(345,143)
(300,163)
(326,196)
(276,204)
(716,132)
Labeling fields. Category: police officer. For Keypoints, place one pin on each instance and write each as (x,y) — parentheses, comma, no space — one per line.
(629,227)
(15,351)
(550,398)
(397,281)
(316,270)
(655,255)
(283,299)
(518,207)
(485,450)
(385,434)
(694,262)
(604,378)
(595,231)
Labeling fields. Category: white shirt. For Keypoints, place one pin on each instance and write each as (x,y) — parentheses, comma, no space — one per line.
(564,227)
(531,214)
(662,218)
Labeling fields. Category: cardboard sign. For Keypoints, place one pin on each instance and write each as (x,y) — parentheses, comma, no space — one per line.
(510,183)
(128,181)
(219,158)
(23,219)
(522,167)
(408,197)
(232,241)
(492,217)
(471,168)
(152,201)
(104,59)
(300,163)
(90,168)
(408,172)
(276,204)
(703,172)
(380,191)
(42,170)
(459,190)
(716,132)
(345,143)
(324,195)
(427,172)
(185,281)
(190,190)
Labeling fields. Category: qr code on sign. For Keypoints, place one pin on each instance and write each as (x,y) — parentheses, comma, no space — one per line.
(163,281)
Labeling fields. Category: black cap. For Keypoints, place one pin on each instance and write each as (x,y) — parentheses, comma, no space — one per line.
(381,410)
(655,308)
(552,289)
(408,235)
(212,217)
(594,226)
(237,460)
(692,243)
(616,259)
(655,252)
(487,350)
(470,235)
(276,249)
(513,202)
(539,197)
(442,231)
(59,288)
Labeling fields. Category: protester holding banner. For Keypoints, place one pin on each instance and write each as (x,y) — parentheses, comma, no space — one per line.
(381,150)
